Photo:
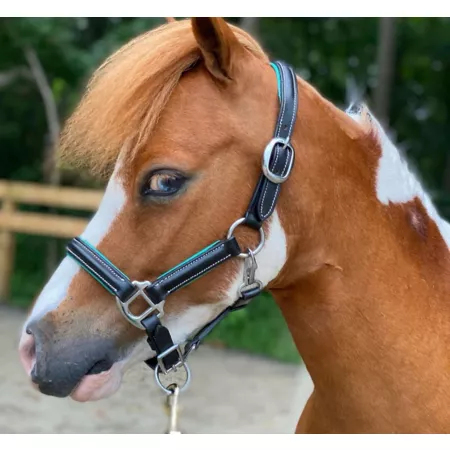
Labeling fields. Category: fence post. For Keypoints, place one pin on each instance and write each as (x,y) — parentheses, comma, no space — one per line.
(7,249)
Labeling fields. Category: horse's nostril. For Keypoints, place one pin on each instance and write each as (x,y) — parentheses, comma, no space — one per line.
(33,373)
(100,366)
(28,331)
(27,351)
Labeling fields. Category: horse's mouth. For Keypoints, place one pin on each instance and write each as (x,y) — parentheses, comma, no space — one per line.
(98,383)
(100,367)
(96,386)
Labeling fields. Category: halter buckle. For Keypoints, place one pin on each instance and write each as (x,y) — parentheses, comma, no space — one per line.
(140,292)
(161,356)
(267,156)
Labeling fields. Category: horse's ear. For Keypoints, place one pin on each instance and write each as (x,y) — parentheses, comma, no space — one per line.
(217,43)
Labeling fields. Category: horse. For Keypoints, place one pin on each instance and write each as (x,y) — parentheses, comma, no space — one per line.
(356,255)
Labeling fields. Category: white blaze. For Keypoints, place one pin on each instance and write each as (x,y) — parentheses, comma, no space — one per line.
(56,288)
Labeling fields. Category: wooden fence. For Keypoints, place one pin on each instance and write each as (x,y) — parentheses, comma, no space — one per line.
(13,221)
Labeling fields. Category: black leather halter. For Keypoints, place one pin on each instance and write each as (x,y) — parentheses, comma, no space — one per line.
(278,160)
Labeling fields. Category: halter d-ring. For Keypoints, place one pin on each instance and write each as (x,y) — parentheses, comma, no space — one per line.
(158,372)
(262,238)
(124,307)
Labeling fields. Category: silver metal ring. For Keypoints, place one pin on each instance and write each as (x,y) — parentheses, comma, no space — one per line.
(182,388)
(262,238)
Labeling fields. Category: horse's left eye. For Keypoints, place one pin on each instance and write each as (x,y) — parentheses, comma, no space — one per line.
(163,183)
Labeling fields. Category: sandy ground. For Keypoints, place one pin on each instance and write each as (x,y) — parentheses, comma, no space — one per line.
(231,392)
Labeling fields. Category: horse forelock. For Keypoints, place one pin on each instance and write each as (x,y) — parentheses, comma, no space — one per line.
(127,94)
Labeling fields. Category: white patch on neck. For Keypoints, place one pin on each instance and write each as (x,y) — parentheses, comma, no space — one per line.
(395,181)
(270,260)
(56,288)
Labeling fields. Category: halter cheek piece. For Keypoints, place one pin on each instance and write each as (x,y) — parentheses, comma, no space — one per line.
(278,160)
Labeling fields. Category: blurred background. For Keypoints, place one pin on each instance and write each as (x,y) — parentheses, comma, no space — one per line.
(398,66)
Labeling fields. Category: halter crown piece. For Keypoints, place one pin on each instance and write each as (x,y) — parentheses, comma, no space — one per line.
(277,163)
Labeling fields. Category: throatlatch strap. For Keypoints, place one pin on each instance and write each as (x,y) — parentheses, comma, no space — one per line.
(164,340)
(266,193)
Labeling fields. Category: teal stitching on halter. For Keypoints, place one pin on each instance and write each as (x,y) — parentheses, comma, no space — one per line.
(277,71)
(102,256)
(89,271)
(187,260)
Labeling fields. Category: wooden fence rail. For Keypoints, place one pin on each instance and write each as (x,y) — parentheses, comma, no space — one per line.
(13,221)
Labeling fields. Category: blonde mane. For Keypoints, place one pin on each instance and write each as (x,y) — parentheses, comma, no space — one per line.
(128,92)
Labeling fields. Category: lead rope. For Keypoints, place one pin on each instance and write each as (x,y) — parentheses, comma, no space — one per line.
(172,409)
(172,389)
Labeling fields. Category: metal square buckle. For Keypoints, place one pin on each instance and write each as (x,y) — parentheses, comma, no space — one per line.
(162,355)
(140,292)
(273,177)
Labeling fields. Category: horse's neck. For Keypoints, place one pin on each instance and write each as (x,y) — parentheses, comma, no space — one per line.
(365,297)
(380,359)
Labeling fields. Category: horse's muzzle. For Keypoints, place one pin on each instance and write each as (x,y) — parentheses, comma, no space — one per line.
(57,362)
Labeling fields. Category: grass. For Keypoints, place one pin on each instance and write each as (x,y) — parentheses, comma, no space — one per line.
(259,328)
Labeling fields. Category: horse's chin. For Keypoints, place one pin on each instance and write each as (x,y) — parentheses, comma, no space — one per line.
(98,386)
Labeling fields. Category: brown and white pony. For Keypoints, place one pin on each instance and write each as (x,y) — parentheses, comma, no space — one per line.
(356,255)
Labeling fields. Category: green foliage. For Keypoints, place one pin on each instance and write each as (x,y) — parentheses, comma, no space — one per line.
(260,328)
(30,272)
(331,53)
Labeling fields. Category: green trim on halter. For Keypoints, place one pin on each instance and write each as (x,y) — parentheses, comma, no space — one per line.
(277,72)
(102,256)
(92,274)
(107,261)
(187,260)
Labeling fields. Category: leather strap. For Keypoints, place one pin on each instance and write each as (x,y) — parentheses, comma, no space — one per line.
(103,270)
(119,285)
(164,340)
(160,341)
(266,193)
(193,268)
